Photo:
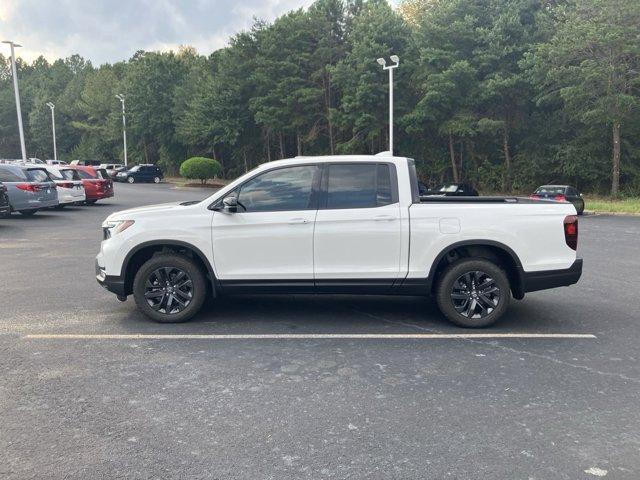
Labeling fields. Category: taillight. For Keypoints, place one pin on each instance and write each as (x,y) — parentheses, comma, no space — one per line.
(560,198)
(571,231)
(66,185)
(28,187)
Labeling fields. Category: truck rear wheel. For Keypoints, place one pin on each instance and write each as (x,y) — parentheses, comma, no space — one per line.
(473,292)
(169,288)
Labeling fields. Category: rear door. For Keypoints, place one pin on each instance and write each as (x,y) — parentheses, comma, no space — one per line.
(357,235)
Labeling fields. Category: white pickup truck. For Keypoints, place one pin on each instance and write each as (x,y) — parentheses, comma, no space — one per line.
(340,224)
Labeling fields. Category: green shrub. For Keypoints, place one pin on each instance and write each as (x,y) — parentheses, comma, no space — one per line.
(201,168)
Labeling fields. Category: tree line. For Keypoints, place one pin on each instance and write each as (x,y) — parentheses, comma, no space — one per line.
(505,94)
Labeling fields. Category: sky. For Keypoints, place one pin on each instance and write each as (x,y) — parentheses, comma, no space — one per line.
(112,30)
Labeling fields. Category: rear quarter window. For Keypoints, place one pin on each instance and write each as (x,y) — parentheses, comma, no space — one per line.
(11,175)
(38,175)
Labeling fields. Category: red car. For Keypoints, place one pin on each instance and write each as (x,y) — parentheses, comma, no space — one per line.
(96,181)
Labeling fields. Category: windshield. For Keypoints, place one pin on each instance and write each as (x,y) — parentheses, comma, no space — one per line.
(102,173)
(38,175)
(85,175)
(550,190)
(448,188)
(70,174)
(135,169)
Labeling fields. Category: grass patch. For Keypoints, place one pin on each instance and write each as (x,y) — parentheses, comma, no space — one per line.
(608,205)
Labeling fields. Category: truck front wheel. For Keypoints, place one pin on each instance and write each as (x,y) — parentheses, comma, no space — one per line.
(169,288)
(473,292)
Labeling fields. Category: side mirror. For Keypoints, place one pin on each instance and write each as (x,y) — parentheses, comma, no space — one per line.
(230,204)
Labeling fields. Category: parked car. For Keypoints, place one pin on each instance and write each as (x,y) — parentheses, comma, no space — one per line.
(113,168)
(96,182)
(70,188)
(29,188)
(86,163)
(560,193)
(454,190)
(5,208)
(340,224)
(141,173)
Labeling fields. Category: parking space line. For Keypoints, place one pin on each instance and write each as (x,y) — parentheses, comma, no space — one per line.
(303,336)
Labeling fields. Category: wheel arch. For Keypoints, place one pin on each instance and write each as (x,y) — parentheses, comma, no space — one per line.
(144,251)
(488,249)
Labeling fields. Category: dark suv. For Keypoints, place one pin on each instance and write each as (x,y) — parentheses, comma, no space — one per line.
(141,173)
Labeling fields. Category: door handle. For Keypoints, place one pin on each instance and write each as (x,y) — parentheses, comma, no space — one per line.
(383,218)
(298,221)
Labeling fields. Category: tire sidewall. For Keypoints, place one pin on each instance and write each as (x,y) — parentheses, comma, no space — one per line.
(453,272)
(170,260)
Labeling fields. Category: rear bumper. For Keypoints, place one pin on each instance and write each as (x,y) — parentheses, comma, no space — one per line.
(112,283)
(534,281)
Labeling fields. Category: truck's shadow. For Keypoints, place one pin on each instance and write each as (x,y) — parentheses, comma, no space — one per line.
(338,314)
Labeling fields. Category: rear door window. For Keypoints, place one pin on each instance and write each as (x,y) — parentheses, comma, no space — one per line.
(358,185)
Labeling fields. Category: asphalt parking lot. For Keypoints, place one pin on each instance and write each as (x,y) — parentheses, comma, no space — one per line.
(132,404)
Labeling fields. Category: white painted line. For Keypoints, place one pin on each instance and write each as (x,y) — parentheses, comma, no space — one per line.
(301,336)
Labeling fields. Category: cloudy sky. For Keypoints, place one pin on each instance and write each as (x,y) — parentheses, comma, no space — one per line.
(111,30)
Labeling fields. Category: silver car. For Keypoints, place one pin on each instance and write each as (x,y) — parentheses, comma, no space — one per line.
(29,188)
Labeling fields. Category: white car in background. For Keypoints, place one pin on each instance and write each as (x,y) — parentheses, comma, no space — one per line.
(70,188)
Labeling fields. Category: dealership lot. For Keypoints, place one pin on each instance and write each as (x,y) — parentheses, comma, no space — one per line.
(310,387)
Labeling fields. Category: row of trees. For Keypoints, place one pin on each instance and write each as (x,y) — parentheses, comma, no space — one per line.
(506,94)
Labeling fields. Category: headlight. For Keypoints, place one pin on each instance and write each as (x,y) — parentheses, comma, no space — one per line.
(113,227)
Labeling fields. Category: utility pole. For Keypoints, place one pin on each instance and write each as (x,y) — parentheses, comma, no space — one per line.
(53,129)
(396,61)
(17,94)
(124,127)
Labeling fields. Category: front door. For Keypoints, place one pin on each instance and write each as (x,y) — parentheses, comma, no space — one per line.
(358,227)
(270,237)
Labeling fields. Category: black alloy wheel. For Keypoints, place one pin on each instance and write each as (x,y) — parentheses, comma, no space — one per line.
(473,292)
(170,288)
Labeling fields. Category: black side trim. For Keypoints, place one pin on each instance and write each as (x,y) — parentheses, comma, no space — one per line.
(534,281)
(247,287)
(364,286)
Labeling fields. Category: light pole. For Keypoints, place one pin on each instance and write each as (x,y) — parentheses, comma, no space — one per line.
(124,127)
(17,93)
(53,129)
(396,61)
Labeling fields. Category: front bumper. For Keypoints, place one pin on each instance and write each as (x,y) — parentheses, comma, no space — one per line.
(112,283)
(534,281)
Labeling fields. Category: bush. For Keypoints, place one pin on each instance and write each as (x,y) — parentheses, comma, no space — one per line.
(201,168)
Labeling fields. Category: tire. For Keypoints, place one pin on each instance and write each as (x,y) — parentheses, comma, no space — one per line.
(27,213)
(90,202)
(452,281)
(60,206)
(156,179)
(131,180)
(169,266)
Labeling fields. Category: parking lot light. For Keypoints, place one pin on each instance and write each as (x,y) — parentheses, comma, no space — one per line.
(53,129)
(383,63)
(124,127)
(17,94)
